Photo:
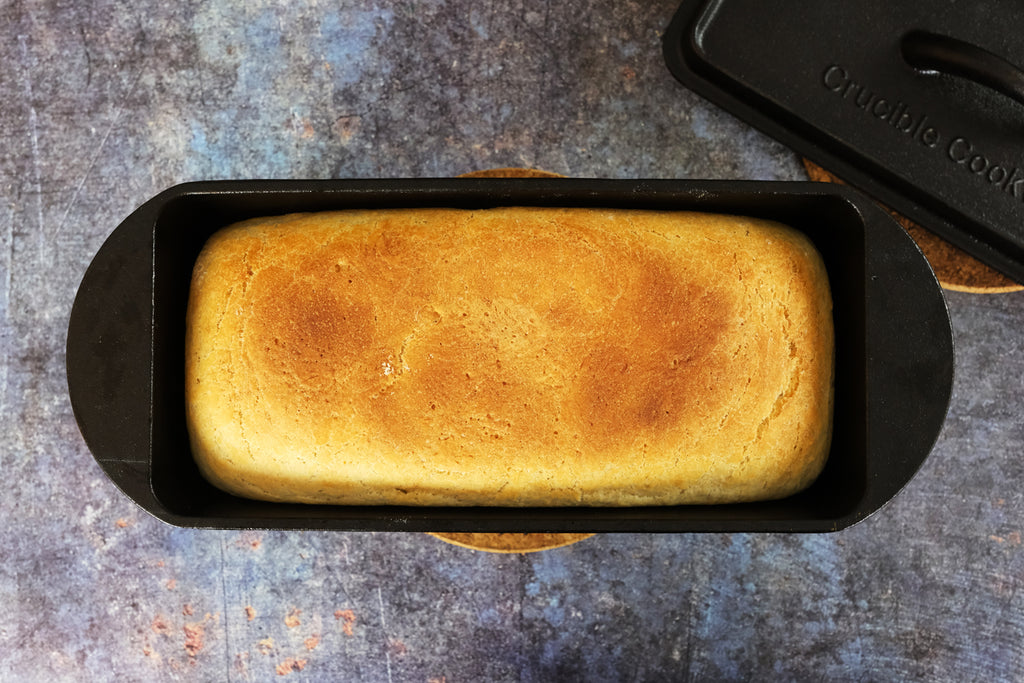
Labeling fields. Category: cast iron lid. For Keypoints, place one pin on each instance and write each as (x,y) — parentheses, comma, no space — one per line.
(918,104)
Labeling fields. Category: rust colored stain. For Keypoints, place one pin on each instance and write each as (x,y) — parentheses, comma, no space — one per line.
(193,638)
(348,618)
(289,665)
(160,625)
(347,126)
(266,646)
(250,612)
(312,641)
(292,620)
(249,540)
(171,584)
(187,610)
(242,663)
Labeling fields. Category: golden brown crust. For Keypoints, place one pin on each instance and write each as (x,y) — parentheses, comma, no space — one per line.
(519,356)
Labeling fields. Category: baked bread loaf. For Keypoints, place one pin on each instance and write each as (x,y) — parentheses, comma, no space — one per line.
(509,357)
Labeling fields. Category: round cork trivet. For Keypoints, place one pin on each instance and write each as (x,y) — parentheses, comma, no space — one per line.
(510,172)
(956,269)
(510,543)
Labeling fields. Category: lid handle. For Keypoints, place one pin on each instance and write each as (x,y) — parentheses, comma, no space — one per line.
(934,52)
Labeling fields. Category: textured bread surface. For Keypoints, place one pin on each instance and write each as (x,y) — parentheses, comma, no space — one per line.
(511,357)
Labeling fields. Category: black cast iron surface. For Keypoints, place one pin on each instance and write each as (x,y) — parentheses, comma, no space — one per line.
(894,352)
(921,105)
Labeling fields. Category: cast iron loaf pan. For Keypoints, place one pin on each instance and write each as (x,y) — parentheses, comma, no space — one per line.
(894,351)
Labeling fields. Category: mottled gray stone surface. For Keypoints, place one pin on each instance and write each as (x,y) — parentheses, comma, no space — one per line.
(104,104)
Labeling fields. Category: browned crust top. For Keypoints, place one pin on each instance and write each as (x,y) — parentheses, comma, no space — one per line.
(510,356)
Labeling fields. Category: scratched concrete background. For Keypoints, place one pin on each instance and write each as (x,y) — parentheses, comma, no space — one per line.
(104,104)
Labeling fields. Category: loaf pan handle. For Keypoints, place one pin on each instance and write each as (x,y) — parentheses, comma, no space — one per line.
(108,359)
(910,356)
